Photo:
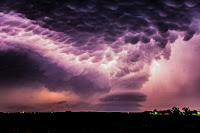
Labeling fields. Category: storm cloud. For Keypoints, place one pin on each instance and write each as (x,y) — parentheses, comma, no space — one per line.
(88,24)
(122,101)
(23,68)
(89,47)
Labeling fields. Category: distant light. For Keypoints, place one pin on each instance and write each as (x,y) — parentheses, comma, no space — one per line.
(22,112)
(155,113)
(150,113)
(198,113)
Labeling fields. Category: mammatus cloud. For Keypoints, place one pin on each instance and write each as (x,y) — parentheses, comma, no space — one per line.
(89,47)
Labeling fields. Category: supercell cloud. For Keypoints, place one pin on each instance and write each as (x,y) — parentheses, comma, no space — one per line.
(97,50)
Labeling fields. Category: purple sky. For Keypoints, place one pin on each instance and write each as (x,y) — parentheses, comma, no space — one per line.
(99,56)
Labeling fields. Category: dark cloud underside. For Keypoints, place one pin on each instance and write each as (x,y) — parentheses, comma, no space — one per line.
(19,69)
(83,21)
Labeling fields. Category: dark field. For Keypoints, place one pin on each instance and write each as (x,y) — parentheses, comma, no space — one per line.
(94,122)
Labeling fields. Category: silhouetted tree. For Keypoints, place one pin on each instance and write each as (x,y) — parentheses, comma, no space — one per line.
(175,110)
(186,110)
(155,110)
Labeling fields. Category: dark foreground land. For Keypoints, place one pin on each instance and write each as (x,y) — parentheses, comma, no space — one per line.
(94,122)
